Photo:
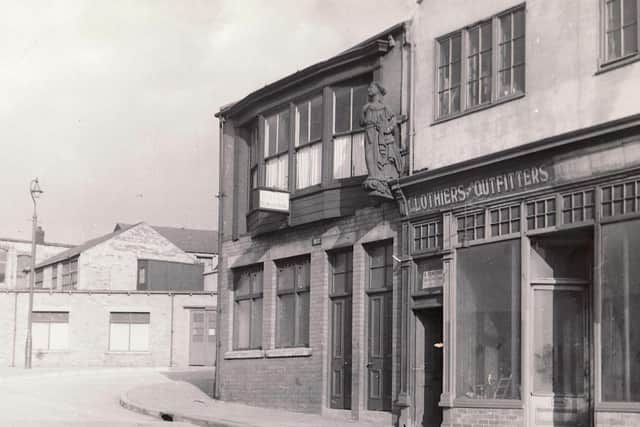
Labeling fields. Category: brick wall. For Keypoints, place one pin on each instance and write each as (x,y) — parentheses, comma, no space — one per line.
(89,327)
(482,417)
(299,382)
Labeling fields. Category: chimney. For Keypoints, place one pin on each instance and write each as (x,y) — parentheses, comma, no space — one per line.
(40,236)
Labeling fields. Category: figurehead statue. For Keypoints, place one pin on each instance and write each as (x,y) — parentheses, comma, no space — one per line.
(381,148)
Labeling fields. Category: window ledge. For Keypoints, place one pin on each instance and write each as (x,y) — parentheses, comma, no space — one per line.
(43,351)
(244,354)
(618,63)
(289,352)
(487,403)
(479,108)
(130,353)
(618,407)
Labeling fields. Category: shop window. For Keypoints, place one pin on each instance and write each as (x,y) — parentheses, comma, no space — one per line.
(70,274)
(620,29)
(293,302)
(247,308)
(488,321)
(541,213)
(348,136)
(471,227)
(578,207)
(50,330)
(129,331)
(620,312)
(620,199)
(39,282)
(3,265)
(276,150)
(477,45)
(427,236)
(308,142)
(505,220)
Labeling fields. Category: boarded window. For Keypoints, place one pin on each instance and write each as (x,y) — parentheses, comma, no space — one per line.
(129,331)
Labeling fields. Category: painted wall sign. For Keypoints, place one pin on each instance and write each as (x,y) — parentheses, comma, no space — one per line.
(274,200)
(480,188)
(432,279)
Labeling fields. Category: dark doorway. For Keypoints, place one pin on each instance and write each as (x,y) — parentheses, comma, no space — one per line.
(431,320)
(341,306)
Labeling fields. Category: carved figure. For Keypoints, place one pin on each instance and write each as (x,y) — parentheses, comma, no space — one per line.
(382,153)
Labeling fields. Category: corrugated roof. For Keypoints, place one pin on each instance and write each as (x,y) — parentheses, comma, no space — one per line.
(77,250)
(187,239)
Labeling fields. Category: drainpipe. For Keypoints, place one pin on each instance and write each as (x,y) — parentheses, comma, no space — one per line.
(172,295)
(220,196)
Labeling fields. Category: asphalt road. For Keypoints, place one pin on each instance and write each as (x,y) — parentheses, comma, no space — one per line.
(75,398)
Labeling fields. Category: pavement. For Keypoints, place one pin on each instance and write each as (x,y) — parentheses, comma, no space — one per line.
(74,397)
(183,402)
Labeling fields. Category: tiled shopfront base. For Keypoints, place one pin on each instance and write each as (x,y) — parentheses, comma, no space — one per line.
(482,417)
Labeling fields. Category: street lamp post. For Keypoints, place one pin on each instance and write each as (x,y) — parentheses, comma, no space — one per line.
(35,191)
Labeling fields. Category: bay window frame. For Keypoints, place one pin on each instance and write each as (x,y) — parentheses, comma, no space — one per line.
(299,146)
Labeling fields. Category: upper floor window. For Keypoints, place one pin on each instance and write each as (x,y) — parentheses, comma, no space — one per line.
(490,68)
(276,148)
(348,136)
(54,276)
(308,142)
(621,29)
(70,274)
(39,278)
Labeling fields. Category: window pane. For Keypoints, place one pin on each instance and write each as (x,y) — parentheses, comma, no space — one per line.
(242,317)
(474,40)
(518,51)
(139,337)
(283,131)
(630,39)
(309,165)
(316,119)
(342,156)
(613,14)
(455,48)
(488,327)
(40,336)
(303,319)
(518,24)
(243,283)
(505,28)
(302,275)
(342,109)
(302,123)
(285,276)
(119,337)
(360,98)
(286,320)
(630,13)
(256,323)
(621,312)
(270,135)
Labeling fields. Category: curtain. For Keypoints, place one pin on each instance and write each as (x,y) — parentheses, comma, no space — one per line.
(309,166)
(277,175)
(359,165)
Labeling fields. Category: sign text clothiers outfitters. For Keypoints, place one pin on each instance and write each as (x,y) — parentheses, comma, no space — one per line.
(481,188)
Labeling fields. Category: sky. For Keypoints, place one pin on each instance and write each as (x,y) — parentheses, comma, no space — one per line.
(110,103)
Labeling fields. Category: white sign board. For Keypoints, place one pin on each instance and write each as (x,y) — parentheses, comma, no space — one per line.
(274,200)
(432,279)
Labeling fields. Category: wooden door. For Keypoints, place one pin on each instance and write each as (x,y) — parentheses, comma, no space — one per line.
(202,344)
(432,321)
(341,353)
(379,351)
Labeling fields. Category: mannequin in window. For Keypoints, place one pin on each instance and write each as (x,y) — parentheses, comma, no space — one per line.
(382,154)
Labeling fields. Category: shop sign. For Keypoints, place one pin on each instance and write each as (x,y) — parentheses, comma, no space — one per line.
(273,200)
(476,189)
(432,279)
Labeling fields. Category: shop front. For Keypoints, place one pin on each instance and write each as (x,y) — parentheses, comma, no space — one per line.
(523,287)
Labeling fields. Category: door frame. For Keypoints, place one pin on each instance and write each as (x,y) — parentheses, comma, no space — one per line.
(418,315)
(586,287)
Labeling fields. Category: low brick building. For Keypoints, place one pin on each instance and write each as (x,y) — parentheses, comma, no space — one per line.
(129,298)
(307,290)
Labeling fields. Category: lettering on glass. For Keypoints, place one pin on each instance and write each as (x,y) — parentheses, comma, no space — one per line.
(479,188)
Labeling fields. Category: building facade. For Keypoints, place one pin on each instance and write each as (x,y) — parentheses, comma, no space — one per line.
(129,298)
(520,216)
(307,283)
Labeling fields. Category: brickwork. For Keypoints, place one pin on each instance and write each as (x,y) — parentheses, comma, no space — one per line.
(88,343)
(299,382)
(482,417)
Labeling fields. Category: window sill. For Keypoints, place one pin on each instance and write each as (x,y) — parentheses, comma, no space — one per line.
(289,352)
(487,403)
(618,63)
(633,407)
(44,351)
(479,108)
(244,354)
(129,353)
